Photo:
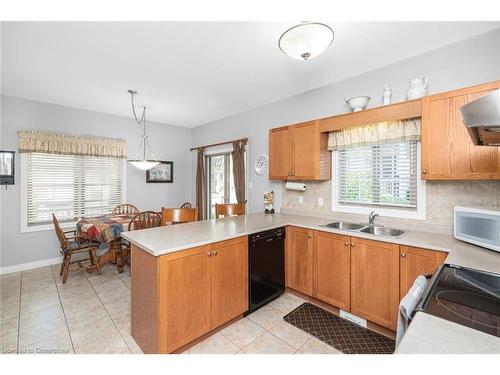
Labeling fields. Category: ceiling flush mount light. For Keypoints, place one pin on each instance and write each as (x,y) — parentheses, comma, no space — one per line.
(143,163)
(306,40)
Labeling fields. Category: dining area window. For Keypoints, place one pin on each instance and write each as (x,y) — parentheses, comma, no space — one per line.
(57,179)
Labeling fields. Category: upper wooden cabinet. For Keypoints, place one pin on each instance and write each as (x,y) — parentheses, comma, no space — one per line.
(375,281)
(332,269)
(415,261)
(447,150)
(299,259)
(299,152)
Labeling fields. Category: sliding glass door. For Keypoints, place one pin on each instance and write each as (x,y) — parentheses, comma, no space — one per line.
(220,181)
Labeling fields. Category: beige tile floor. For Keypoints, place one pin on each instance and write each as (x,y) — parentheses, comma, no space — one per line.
(91,314)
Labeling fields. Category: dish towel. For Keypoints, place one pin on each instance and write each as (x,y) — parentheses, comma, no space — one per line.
(407,305)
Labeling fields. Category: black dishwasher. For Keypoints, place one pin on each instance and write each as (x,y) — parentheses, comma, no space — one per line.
(266,266)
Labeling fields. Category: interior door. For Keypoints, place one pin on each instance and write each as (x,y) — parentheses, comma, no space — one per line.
(332,269)
(228,280)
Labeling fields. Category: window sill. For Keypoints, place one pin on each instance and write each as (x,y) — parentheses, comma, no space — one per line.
(387,212)
(46,227)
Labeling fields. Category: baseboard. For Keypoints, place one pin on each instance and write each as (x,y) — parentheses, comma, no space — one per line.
(29,265)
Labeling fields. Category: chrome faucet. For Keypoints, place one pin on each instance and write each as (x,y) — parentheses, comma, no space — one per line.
(372,217)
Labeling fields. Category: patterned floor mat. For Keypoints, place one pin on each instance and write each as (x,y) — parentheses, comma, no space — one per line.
(340,333)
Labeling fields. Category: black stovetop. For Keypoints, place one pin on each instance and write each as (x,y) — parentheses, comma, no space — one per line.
(465,296)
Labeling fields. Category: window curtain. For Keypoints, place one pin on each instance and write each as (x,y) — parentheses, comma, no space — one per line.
(201,185)
(380,133)
(238,155)
(66,144)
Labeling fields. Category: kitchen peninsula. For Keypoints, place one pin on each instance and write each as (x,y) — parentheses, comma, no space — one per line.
(192,279)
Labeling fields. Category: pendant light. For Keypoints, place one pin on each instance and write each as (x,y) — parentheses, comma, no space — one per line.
(144,163)
(306,40)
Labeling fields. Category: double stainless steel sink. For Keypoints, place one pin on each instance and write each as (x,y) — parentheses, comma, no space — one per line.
(376,230)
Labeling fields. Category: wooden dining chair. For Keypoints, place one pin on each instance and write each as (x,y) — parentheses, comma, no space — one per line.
(143,220)
(124,209)
(186,205)
(71,244)
(171,216)
(233,209)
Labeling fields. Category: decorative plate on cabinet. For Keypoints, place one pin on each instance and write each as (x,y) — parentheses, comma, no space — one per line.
(261,165)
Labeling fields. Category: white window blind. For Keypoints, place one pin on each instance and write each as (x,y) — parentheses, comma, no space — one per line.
(71,186)
(384,175)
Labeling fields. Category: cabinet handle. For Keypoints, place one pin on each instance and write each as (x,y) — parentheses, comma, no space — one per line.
(309,236)
(209,253)
(403,255)
(214,252)
(424,171)
(347,243)
(353,244)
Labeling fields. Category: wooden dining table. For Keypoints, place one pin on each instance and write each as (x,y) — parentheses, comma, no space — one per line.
(106,229)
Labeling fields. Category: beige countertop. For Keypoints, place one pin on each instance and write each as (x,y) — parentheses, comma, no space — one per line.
(426,334)
(169,239)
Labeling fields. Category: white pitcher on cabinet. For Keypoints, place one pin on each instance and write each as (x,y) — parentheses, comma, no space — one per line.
(417,88)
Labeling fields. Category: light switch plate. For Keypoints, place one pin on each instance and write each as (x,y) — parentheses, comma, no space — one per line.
(301,199)
(320,201)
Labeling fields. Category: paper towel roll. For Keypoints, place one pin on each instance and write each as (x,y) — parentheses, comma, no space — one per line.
(295,186)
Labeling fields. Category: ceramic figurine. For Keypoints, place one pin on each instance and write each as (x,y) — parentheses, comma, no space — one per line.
(387,94)
(418,88)
(268,202)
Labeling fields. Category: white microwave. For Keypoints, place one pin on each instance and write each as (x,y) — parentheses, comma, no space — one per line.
(478,225)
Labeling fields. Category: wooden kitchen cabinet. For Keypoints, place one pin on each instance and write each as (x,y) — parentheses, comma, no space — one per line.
(184,289)
(415,261)
(299,259)
(228,281)
(332,269)
(299,152)
(179,297)
(375,281)
(447,150)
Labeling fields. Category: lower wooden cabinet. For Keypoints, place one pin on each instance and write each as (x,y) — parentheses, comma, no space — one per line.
(299,259)
(332,269)
(228,281)
(181,296)
(415,261)
(375,281)
(184,297)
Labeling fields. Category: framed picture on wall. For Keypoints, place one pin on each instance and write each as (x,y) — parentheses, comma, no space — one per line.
(163,172)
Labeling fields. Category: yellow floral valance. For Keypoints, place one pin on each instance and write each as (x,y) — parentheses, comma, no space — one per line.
(380,133)
(67,144)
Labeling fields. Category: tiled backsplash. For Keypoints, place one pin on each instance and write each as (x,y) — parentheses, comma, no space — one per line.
(442,196)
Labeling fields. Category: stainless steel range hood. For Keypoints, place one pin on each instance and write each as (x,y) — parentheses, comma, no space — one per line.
(482,119)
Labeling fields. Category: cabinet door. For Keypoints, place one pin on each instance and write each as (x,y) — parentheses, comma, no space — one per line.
(305,150)
(299,259)
(184,287)
(228,280)
(375,281)
(280,153)
(332,269)
(413,262)
(447,150)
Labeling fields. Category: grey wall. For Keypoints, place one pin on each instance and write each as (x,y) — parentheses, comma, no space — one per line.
(168,143)
(469,62)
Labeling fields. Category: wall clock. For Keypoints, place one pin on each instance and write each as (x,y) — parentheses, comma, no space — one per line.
(261,165)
